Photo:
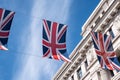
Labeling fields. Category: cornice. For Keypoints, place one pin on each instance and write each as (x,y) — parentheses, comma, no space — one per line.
(94,13)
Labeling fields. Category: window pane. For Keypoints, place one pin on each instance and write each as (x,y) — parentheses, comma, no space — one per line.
(79,73)
(111,33)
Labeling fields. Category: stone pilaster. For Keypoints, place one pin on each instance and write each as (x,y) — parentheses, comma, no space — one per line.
(105,75)
(83,67)
(76,76)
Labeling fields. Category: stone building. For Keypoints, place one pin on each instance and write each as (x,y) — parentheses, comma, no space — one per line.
(84,65)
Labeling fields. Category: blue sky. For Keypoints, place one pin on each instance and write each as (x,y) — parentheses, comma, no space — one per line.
(23,60)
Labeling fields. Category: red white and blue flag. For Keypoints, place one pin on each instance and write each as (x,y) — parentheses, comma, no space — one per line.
(104,50)
(6,18)
(54,40)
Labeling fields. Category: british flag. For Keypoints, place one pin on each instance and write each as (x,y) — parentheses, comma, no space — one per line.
(54,40)
(104,50)
(6,17)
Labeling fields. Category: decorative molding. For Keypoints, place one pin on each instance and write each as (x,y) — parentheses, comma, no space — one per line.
(116,77)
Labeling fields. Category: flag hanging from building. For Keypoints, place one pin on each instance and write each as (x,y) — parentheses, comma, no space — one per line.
(6,18)
(104,50)
(54,40)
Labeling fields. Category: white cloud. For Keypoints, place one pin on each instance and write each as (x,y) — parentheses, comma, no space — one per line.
(33,67)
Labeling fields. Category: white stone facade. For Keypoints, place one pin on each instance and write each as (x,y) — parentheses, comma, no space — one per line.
(84,65)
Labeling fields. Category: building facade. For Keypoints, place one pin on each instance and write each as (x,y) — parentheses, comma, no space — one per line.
(85,65)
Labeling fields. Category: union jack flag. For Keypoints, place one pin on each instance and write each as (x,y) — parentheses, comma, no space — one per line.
(54,40)
(6,17)
(104,50)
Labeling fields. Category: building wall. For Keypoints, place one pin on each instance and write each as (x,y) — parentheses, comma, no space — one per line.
(84,65)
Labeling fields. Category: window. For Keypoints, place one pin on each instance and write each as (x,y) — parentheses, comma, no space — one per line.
(111,33)
(86,64)
(72,78)
(79,71)
(111,73)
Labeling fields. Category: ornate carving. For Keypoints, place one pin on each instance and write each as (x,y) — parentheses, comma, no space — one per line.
(116,25)
(117,19)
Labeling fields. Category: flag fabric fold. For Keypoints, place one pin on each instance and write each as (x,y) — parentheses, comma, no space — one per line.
(105,52)
(54,40)
(6,18)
